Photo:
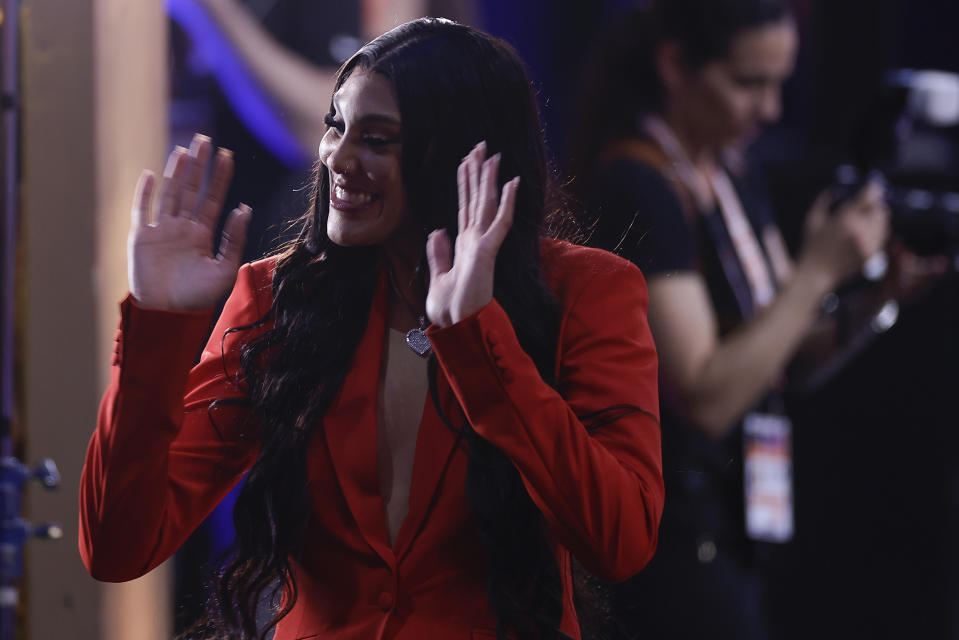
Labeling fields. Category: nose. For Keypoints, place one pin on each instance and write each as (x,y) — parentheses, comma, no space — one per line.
(338,156)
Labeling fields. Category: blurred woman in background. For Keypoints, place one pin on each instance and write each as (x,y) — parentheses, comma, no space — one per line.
(674,95)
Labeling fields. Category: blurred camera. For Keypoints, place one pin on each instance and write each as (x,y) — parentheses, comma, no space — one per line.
(908,137)
(926,220)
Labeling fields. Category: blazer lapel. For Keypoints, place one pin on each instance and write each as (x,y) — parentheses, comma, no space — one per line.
(350,428)
(435,444)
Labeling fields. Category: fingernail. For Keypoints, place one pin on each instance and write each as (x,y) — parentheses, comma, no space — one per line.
(171,163)
(245,208)
(497,156)
(198,139)
(222,151)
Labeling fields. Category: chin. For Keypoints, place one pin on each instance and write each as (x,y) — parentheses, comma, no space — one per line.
(349,234)
(340,230)
(349,239)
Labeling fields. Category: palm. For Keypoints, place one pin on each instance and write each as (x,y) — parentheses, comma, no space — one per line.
(172,265)
(458,289)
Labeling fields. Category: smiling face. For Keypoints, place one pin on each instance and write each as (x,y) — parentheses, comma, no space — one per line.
(728,100)
(362,154)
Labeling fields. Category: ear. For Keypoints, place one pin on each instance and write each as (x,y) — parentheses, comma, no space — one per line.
(670,66)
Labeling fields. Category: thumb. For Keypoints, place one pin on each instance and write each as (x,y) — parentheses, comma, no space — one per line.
(818,212)
(233,238)
(439,253)
(870,196)
(142,200)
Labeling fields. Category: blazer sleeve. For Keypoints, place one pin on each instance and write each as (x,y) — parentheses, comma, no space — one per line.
(163,455)
(600,489)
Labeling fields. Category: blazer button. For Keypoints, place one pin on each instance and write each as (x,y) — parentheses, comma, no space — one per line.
(498,351)
(385,601)
(492,337)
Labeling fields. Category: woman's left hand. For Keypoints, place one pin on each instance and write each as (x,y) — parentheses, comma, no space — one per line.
(463,286)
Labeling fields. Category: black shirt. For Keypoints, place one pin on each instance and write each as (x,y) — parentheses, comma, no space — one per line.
(636,212)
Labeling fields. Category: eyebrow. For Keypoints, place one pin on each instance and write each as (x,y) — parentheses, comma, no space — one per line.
(368,118)
(378,117)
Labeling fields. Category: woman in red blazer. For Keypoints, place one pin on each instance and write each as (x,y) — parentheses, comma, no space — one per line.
(404,481)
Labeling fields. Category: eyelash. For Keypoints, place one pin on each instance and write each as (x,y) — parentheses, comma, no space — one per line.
(374,141)
(332,123)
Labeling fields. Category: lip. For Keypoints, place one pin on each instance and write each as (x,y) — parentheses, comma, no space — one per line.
(348,206)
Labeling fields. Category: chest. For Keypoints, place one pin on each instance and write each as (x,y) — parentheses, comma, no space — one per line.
(402,391)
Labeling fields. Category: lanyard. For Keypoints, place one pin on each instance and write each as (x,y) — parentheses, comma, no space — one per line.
(748,264)
(744,239)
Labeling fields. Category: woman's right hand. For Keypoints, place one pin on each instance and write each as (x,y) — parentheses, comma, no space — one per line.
(837,244)
(170,261)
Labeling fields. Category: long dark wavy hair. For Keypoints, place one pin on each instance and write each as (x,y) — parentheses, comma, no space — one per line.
(620,79)
(454,86)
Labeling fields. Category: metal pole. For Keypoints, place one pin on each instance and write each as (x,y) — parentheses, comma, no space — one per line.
(9,100)
(14,530)
(9,594)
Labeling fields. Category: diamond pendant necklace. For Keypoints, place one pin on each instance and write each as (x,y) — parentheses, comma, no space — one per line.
(416,338)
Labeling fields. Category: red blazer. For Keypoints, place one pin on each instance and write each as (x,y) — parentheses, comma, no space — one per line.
(156,466)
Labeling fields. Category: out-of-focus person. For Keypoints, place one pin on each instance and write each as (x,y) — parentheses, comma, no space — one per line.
(673,97)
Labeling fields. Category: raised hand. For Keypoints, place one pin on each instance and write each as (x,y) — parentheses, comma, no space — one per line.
(170,260)
(463,286)
(838,244)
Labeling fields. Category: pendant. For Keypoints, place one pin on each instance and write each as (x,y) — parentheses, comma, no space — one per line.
(417,340)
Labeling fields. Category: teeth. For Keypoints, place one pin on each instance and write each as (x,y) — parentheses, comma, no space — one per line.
(352,197)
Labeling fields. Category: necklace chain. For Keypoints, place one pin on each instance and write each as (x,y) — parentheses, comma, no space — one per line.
(416,338)
(420,317)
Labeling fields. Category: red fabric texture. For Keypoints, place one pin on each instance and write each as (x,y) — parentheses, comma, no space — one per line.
(160,459)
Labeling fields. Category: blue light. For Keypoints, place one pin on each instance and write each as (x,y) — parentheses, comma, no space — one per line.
(247,98)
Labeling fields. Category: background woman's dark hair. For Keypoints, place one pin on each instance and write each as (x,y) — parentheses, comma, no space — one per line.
(454,86)
(620,79)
